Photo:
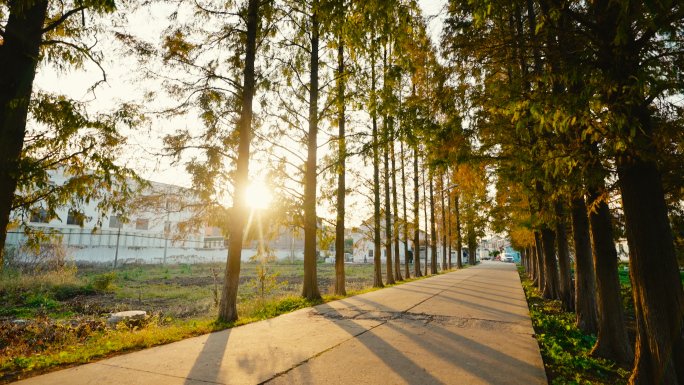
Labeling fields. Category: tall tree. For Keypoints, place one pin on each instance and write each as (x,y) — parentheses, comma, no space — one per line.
(377,267)
(567,292)
(426,202)
(444,225)
(416,217)
(612,341)
(64,136)
(395,209)
(405,223)
(433,231)
(459,244)
(341,171)
(228,304)
(586,305)
(386,138)
(310,282)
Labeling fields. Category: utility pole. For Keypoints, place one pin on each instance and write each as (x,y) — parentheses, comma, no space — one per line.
(167,227)
(118,235)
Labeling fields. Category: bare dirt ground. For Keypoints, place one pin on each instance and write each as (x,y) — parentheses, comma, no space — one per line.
(176,291)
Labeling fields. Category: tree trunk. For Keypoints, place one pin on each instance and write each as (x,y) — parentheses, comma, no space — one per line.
(388,209)
(656,283)
(405,222)
(425,213)
(522,258)
(228,306)
(388,203)
(541,279)
(612,341)
(433,260)
(395,209)
(341,188)
(444,230)
(552,284)
(586,306)
(459,239)
(310,282)
(530,262)
(451,239)
(567,292)
(377,267)
(19,55)
(472,248)
(416,217)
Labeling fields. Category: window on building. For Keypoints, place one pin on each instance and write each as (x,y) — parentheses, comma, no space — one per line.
(115,221)
(40,216)
(370,253)
(142,223)
(76,218)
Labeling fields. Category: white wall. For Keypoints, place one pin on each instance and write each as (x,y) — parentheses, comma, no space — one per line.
(104,255)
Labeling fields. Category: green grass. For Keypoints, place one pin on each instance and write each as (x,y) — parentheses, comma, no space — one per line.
(564,348)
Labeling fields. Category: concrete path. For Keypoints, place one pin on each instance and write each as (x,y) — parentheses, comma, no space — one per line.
(466,327)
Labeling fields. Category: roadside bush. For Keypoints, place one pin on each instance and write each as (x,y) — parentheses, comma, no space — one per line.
(102,282)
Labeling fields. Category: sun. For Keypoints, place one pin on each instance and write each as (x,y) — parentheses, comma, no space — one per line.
(258,196)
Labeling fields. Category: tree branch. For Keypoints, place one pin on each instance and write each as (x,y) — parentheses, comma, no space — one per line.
(61,19)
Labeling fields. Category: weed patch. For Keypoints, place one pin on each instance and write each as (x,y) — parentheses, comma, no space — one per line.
(57,321)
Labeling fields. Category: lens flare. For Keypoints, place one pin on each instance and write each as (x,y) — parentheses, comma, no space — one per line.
(258,196)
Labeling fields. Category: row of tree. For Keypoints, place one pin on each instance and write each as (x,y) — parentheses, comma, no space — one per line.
(576,105)
(244,71)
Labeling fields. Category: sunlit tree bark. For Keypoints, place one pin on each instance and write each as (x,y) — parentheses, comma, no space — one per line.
(228,305)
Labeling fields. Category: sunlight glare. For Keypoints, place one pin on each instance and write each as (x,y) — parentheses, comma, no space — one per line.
(258,196)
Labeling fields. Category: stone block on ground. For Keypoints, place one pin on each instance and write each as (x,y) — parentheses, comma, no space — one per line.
(131,318)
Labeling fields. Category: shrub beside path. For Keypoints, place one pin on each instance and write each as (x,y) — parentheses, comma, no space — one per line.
(469,327)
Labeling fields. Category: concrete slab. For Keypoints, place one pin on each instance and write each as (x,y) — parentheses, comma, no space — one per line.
(469,326)
(400,352)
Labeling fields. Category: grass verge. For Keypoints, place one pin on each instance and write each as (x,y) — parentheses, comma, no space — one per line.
(564,349)
(64,344)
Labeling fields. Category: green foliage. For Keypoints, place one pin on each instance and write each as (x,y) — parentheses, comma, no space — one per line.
(62,134)
(265,281)
(102,282)
(564,348)
(40,301)
(186,269)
